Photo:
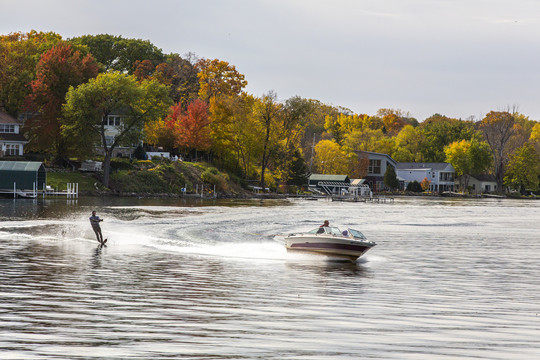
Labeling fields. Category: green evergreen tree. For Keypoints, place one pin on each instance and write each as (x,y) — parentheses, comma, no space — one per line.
(390,178)
(299,171)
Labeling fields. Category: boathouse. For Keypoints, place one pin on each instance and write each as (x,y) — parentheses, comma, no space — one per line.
(328,183)
(23,175)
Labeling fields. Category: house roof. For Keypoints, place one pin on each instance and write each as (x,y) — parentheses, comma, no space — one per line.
(376,153)
(20,165)
(325,177)
(358,181)
(485,177)
(418,166)
(13,137)
(7,119)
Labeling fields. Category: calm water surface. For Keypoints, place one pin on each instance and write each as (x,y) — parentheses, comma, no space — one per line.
(449,279)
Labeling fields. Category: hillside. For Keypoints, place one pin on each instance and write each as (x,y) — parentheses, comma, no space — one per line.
(152,178)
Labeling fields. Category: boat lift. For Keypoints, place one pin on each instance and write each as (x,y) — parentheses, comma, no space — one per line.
(72,191)
(346,192)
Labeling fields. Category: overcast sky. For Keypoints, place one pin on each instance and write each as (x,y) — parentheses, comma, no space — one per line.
(459,58)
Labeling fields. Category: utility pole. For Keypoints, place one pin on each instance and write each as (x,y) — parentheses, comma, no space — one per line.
(312,150)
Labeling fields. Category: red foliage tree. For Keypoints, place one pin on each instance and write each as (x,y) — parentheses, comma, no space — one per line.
(191,128)
(58,69)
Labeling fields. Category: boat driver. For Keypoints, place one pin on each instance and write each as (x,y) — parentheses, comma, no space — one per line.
(321,228)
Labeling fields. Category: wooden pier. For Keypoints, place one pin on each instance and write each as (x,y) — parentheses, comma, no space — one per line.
(372,199)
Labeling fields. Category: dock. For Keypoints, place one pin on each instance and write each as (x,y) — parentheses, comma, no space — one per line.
(372,199)
(71,192)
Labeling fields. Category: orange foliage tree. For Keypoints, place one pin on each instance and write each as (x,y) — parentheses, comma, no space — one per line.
(58,69)
(191,128)
(19,55)
(425,184)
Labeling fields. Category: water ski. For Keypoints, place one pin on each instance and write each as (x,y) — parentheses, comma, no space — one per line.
(104,241)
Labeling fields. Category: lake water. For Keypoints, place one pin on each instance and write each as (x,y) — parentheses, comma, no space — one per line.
(449,279)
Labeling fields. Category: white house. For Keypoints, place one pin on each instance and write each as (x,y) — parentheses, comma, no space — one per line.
(11,140)
(440,175)
(481,184)
(113,126)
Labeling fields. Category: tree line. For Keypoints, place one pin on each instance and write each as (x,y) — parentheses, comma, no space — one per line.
(66,89)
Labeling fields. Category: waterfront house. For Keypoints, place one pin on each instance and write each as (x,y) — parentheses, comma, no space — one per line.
(482,184)
(376,164)
(113,125)
(440,175)
(11,140)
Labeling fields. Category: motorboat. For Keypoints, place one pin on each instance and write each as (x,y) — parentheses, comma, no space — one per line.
(329,240)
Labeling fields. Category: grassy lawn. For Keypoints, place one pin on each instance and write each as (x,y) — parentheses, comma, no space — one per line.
(59,180)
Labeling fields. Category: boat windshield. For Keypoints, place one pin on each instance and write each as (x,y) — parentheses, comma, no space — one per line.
(356,233)
(327,230)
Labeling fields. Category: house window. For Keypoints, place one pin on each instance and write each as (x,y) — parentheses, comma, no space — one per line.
(12,149)
(446,176)
(374,167)
(7,128)
(112,120)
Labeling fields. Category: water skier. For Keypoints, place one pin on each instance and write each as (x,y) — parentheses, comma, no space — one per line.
(94,221)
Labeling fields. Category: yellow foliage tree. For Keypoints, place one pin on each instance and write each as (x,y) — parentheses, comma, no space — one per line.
(218,77)
(535,133)
(330,159)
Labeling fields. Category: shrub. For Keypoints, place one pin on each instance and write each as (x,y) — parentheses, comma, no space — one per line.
(121,164)
(414,186)
(214,177)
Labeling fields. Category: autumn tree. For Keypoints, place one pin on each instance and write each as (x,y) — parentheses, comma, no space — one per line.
(425,184)
(191,128)
(88,106)
(498,129)
(315,126)
(366,139)
(523,171)
(218,77)
(408,143)
(268,111)
(468,158)
(393,124)
(339,126)
(535,133)
(293,121)
(236,136)
(329,158)
(118,53)
(159,133)
(180,74)
(57,70)
(19,55)
(439,131)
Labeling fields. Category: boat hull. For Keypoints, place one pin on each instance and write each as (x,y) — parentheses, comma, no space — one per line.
(334,246)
